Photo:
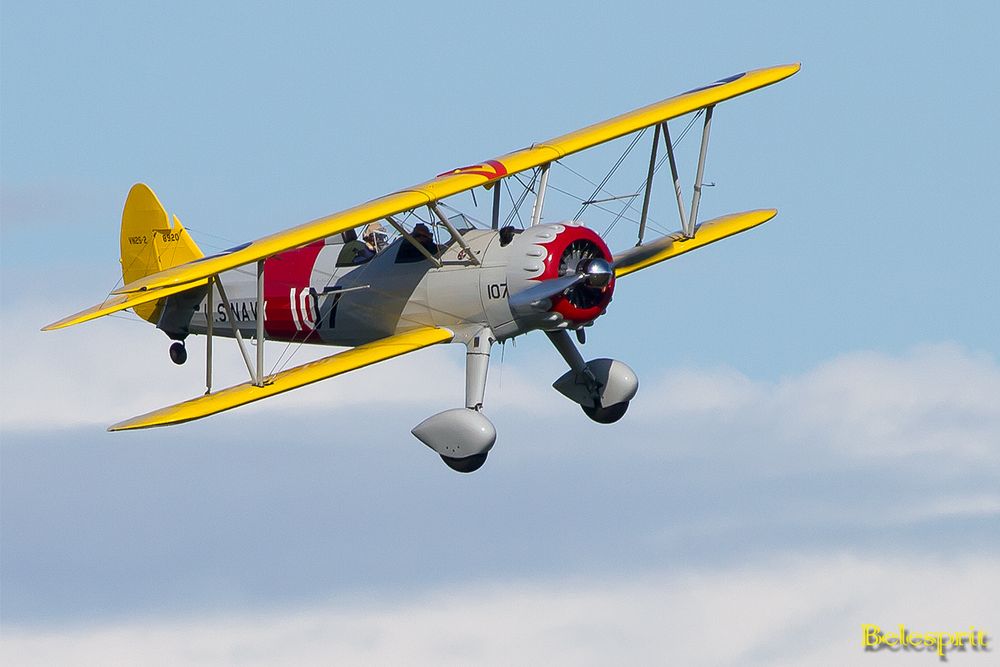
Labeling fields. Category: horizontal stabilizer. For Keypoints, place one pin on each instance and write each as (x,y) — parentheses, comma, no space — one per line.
(675,244)
(117,302)
(293,378)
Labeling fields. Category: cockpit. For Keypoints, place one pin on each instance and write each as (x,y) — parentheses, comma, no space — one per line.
(432,236)
(357,251)
(410,253)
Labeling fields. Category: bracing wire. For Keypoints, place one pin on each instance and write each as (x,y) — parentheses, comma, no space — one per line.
(656,168)
(621,159)
(630,199)
(516,210)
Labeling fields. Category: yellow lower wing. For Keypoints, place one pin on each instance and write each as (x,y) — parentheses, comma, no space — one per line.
(117,302)
(293,378)
(675,244)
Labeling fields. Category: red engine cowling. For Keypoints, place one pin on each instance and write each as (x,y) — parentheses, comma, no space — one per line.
(547,252)
(571,248)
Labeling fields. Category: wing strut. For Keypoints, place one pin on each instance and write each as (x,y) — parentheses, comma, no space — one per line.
(256,374)
(236,331)
(649,182)
(454,233)
(209,331)
(688,222)
(677,179)
(259,380)
(496,206)
(536,210)
(696,198)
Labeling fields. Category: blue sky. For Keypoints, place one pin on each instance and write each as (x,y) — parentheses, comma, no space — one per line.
(798,382)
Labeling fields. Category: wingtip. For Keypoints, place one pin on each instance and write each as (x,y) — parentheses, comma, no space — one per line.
(789,69)
(59,324)
(78,318)
(130,424)
(766,215)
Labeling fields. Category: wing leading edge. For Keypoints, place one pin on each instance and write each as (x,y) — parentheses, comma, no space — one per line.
(466,178)
(293,378)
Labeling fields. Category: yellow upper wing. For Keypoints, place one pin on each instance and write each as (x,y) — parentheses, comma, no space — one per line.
(465,178)
(293,378)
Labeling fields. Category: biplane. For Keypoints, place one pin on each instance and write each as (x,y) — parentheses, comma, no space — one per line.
(385,283)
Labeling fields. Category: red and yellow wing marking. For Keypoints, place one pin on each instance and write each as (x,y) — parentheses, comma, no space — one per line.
(293,378)
(465,178)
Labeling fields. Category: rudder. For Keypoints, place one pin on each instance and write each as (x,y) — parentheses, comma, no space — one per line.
(149,243)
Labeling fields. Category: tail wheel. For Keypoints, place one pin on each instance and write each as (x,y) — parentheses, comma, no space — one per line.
(178,353)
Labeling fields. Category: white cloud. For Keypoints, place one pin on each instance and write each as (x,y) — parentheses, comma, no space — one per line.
(935,399)
(866,408)
(790,610)
(932,406)
(863,406)
(956,506)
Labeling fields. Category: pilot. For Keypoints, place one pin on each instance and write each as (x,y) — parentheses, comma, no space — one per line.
(363,252)
(423,236)
(408,252)
(375,237)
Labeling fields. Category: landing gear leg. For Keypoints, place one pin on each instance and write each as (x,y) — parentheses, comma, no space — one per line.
(477,365)
(178,353)
(462,437)
(466,428)
(602,387)
(561,340)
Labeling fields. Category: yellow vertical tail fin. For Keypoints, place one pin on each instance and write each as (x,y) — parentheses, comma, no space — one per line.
(150,243)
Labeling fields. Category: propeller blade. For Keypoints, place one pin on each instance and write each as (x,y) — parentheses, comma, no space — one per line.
(546,289)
